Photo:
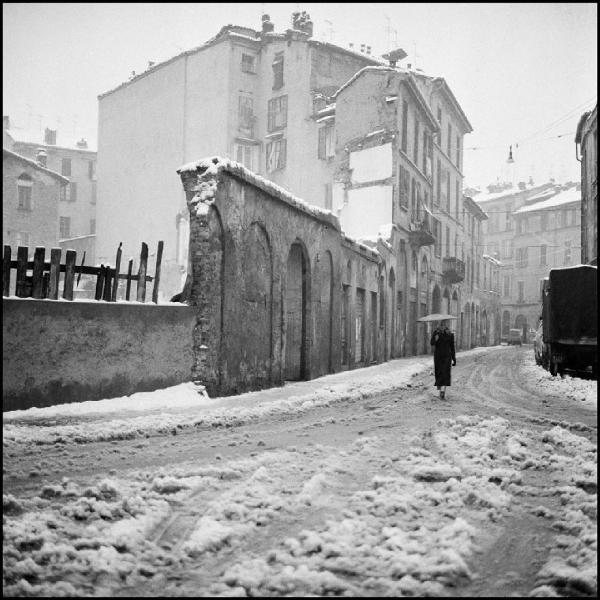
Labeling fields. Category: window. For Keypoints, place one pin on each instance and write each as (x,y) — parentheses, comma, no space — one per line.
(328,196)
(72,192)
(563,218)
(448,192)
(449,140)
(567,252)
(425,152)
(94,193)
(506,288)
(458,152)
(66,167)
(24,190)
(507,250)
(404,126)
(573,219)
(22,238)
(326,142)
(246,114)
(244,154)
(447,241)
(521,286)
(276,154)
(522,257)
(437,232)
(439,182)
(457,198)
(63,193)
(65,227)
(413,200)
(543,255)
(416,147)
(522,225)
(507,219)
(544,221)
(278,71)
(439,119)
(404,187)
(277,113)
(92,225)
(248,63)
(92,169)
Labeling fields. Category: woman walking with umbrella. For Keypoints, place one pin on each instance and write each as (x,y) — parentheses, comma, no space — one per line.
(444,355)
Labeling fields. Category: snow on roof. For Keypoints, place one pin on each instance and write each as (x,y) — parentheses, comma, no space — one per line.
(34,164)
(359,74)
(37,137)
(214,165)
(567,197)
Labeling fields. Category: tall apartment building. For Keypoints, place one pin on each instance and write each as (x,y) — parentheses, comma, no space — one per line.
(586,140)
(251,96)
(74,160)
(399,175)
(530,230)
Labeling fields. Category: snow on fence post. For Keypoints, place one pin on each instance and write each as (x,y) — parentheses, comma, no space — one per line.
(159,253)
(38,272)
(54,273)
(21,285)
(129,269)
(6,271)
(69,274)
(141,277)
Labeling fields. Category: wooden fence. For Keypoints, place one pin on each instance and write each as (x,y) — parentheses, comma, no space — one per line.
(41,279)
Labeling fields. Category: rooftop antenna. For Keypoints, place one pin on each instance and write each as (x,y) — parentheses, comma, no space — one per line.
(389,30)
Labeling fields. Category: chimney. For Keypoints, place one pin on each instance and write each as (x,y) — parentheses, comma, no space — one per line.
(362,48)
(267,25)
(369,50)
(82,144)
(522,185)
(5,122)
(351,46)
(41,157)
(150,64)
(50,137)
(301,22)
(409,66)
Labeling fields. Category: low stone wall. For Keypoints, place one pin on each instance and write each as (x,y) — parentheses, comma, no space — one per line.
(55,352)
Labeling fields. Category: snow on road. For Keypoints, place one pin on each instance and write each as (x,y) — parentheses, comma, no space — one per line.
(393,520)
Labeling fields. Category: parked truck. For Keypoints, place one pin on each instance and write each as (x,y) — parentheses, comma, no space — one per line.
(570,320)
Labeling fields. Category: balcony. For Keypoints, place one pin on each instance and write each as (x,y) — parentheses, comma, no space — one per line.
(420,234)
(453,269)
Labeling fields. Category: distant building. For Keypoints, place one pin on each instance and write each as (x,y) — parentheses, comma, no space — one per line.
(530,230)
(75,161)
(30,203)
(586,140)
(251,96)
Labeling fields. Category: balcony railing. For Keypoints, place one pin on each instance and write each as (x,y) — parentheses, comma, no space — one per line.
(453,269)
(420,234)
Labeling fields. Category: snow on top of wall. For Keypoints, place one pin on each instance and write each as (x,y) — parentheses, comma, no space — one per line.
(566,197)
(212,166)
(359,73)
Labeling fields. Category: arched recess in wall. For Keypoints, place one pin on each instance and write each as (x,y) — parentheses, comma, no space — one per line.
(466,333)
(392,312)
(436,300)
(322,312)
(446,301)
(521,323)
(401,296)
(256,319)
(484,328)
(505,323)
(297,290)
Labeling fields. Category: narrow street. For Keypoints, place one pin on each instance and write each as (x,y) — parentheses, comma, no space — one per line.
(491,491)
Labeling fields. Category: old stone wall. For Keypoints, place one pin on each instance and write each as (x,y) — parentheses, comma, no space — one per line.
(55,352)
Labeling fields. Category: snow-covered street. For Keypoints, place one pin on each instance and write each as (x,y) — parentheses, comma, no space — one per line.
(362,483)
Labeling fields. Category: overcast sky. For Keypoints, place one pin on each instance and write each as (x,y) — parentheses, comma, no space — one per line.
(523,73)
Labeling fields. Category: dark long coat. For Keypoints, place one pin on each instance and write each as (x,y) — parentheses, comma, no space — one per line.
(443,355)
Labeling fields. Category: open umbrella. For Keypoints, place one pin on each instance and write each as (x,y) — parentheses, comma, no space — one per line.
(435,317)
